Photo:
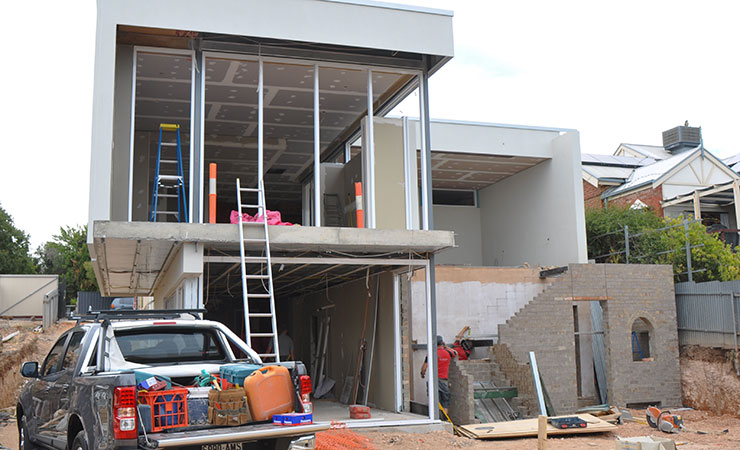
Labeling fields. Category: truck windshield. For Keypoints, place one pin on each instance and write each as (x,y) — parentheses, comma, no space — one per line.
(170,345)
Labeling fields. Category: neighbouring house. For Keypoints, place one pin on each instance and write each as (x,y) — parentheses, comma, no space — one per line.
(679,178)
(295,96)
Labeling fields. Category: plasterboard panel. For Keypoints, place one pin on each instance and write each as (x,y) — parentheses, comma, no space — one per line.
(216,69)
(155,65)
(171,90)
(152,124)
(231,94)
(164,108)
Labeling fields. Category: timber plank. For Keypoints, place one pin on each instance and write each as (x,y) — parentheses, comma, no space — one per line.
(528,427)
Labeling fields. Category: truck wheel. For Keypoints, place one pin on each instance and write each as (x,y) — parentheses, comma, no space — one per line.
(23,442)
(80,442)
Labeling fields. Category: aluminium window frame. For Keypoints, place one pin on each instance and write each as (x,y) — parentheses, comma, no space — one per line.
(368,68)
(191,171)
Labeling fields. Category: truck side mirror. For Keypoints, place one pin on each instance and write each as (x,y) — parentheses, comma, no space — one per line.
(30,369)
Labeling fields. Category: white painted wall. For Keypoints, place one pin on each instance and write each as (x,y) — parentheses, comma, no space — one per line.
(465,222)
(537,216)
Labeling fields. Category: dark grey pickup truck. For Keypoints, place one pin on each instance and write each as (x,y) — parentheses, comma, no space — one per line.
(83,395)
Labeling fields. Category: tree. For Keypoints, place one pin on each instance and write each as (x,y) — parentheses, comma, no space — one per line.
(14,247)
(654,240)
(67,255)
(605,231)
(711,258)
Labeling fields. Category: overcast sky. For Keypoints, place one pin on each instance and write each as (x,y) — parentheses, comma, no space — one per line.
(616,71)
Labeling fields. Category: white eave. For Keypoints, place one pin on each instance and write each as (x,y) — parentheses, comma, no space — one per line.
(361,24)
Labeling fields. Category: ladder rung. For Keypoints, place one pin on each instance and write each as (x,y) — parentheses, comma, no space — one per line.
(257,277)
(252,206)
(261,334)
(169,144)
(168,212)
(249,189)
(255,259)
(254,240)
(168,161)
(170,177)
(168,195)
(260,314)
(266,354)
(259,295)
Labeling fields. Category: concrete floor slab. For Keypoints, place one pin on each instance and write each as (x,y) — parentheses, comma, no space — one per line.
(380,420)
(130,257)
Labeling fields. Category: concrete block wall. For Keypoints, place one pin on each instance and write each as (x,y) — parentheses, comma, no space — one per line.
(631,292)
(462,378)
(545,326)
(641,291)
(462,407)
(520,376)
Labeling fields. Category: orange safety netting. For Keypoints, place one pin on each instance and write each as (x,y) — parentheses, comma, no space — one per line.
(339,437)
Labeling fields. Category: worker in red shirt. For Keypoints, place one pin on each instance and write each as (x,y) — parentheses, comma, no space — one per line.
(445,355)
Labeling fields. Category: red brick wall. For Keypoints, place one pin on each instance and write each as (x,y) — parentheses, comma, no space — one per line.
(649,196)
(591,195)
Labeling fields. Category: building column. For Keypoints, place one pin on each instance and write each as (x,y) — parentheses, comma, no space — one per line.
(370,183)
(316,149)
(736,197)
(697,206)
(196,140)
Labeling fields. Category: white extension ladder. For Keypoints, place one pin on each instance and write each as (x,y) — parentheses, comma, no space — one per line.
(257,298)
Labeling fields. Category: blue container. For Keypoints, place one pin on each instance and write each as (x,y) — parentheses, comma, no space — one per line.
(167,410)
(236,373)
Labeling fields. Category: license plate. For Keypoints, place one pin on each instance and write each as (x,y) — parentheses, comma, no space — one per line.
(225,446)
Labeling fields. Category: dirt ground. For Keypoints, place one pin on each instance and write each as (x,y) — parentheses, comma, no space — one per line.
(689,440)
(708,381)
(26,346)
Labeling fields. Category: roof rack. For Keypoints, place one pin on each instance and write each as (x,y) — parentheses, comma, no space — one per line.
(138,314)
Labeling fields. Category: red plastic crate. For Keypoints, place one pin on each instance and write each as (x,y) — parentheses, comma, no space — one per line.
(169,408)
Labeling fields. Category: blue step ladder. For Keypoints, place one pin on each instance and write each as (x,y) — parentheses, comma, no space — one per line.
(169,185)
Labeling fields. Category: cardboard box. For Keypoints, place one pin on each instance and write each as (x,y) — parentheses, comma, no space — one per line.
(645,443)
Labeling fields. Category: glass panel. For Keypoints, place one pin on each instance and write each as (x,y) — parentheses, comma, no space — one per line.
(73,350)
(163,95)
(169,346)
(54,357)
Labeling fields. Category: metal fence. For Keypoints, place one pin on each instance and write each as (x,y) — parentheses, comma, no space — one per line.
(708,313)
(92,301)
(630,247)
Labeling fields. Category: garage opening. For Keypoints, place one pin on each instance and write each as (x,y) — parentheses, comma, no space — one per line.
(347,321)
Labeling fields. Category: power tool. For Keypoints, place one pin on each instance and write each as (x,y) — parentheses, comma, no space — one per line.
(664,420)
